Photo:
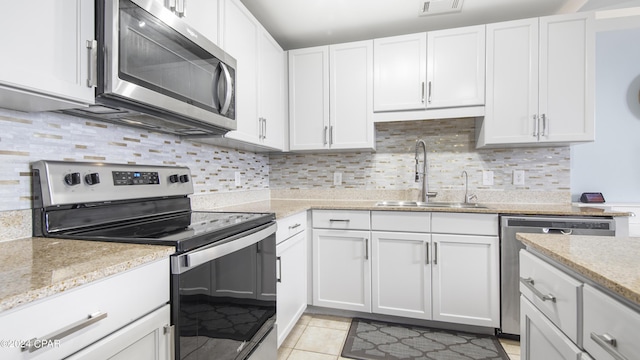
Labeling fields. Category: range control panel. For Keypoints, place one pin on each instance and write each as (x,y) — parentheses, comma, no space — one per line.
(135,178)
(77,183)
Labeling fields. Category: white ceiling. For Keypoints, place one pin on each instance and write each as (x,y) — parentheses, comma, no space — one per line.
(303,23)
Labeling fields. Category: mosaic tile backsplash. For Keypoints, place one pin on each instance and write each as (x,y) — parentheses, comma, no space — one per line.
(450,150)
(27,137)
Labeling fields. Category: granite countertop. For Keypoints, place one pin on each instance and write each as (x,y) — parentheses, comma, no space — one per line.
(284,208)
(34,268)
(611,262)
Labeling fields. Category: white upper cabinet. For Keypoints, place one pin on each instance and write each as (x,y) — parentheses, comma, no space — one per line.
(331,97)
(456,67)
(309,98)
(540,81)
(351,96)
(440,72)
(45,57)
(400,72)
(260,81)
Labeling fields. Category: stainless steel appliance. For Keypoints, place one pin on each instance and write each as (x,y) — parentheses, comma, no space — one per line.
(223,273)
(510,248)
(152,70)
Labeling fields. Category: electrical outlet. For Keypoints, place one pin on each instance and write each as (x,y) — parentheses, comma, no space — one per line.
(238,178)
(337,178)
(518,177)
(487,177)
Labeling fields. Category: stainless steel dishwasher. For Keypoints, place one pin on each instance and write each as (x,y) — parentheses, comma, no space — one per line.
(510,262)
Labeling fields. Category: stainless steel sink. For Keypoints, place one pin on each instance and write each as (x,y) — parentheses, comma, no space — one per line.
(430,204)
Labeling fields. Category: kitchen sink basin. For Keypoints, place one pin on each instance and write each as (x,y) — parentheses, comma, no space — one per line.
(421,204)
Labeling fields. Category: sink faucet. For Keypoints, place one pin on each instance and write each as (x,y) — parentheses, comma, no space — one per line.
(424,192)
(467,197)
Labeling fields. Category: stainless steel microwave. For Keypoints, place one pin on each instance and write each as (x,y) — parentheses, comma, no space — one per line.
(152,70)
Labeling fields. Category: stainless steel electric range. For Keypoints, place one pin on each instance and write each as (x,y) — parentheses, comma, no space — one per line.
(223,273)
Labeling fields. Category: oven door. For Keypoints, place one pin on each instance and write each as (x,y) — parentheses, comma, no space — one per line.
(224,297)
(149,56)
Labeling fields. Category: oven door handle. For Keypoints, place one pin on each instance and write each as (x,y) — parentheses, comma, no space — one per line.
(192,259)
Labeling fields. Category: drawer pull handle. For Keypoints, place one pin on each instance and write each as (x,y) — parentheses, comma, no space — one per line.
(528,282)
(294,226)
(339,220)
(37,344)
(609,344)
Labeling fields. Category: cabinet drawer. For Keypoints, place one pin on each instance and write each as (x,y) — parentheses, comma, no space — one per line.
(540,339)
(123,298)
(560,291)
(464,223)
(606,317)
(341,219)
(291,225)
(401,221)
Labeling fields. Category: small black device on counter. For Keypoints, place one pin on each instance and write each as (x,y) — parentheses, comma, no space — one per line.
(592,197)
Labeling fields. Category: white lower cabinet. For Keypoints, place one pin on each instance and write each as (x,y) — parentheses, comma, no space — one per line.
(130,308)
(401,274)
(149,338)
(540,339)
(342,269)
(409,270)
(611,329)
(291,273)
(466,279)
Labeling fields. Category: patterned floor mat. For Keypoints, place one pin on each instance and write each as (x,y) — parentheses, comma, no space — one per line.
(377,340)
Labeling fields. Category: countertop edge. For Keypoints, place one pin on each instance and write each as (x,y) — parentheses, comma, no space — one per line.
(30,296)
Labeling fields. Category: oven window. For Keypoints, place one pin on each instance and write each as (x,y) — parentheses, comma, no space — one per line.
(226,306)
(154,56)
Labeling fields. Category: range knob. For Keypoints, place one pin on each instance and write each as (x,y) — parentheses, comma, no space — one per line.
(92,179)
(72,179)
(174,178)
(184,178)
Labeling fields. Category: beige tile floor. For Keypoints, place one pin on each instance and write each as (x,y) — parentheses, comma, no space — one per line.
(320,337)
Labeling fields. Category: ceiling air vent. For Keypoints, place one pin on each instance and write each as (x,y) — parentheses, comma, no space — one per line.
(437,7)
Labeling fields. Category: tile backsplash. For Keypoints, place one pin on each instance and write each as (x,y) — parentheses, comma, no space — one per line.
(450,150)
(28,137)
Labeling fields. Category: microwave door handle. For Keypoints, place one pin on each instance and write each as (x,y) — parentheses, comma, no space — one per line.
(216,91)
(228,89)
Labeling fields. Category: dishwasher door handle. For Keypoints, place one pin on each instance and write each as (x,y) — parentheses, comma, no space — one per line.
(557,231)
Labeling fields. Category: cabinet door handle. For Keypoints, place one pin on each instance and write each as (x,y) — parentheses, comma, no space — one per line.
(37,344)
(423,92)
(331,132)
(264,132)
(427,253)
(279,260)
(324,135)
(92,68)
(429,93)
(366,249)
(544,125)
(435,253)
(609,344)
(529,283)
(170,329)
(535,125)
(180,8)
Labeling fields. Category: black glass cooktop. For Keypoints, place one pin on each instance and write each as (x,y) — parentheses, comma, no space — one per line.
(186,231)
